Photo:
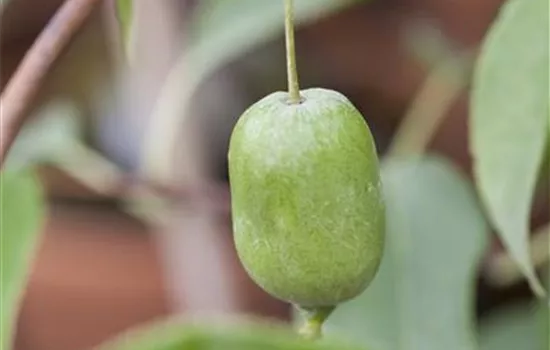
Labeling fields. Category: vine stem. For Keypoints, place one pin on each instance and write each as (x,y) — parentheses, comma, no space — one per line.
(292,71)
(28,77)
(312,326)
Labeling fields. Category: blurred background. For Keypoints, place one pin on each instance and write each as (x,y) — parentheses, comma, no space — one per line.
(133,126)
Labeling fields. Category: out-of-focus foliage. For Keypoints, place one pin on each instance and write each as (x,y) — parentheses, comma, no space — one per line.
(223,30)
(250,22)
(47,138)
(21,212)
(124,10)
(509,121)
(524,327)
(427,42)
(422,296)
(185,336)
(3,4)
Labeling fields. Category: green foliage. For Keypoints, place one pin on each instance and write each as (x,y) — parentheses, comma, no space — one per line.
(21,212)
(223,31)
(523,326)
(49,137)
(246,23)
(421,298)
(509,121)
(307,202)
(186,336)
(124,10)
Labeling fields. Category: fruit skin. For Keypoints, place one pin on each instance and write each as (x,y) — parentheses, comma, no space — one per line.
(307,203)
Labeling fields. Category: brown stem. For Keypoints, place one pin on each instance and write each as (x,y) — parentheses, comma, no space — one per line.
(27,79)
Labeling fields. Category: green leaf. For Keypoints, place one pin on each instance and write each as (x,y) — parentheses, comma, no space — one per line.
(422,297)
(21,214)
(220,20)
(124,10)
(50,136)
(223,31)
(509,122)
(522,327)
(187,336)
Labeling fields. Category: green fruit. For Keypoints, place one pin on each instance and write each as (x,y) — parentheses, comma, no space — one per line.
(307,203)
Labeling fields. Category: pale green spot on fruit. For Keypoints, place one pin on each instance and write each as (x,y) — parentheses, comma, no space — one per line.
(307,203)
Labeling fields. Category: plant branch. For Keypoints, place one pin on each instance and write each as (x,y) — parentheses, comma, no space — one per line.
(428,109)
(142,198)
(292,71)
(27,79)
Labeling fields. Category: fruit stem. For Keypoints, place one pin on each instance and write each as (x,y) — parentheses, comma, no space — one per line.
(312,327)
(292,72)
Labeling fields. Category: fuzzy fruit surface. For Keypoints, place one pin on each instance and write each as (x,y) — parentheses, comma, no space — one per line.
(307,203)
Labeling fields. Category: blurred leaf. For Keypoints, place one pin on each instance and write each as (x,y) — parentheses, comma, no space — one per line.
(49,137)
(21,212)
(422,297)
(249,22)
(185,336)
(223,31)
(425,40)
(3,4)
(509,121)
(522,327)
(124,10)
